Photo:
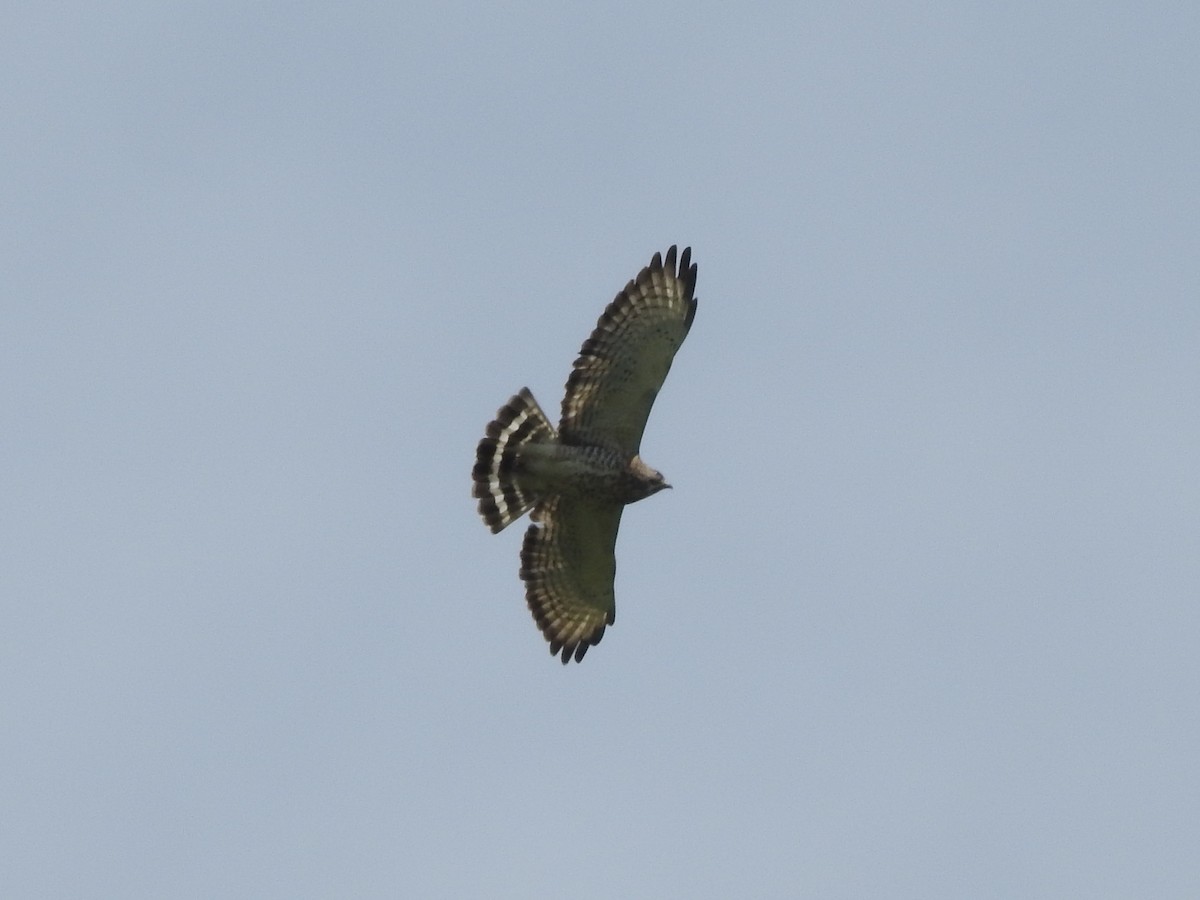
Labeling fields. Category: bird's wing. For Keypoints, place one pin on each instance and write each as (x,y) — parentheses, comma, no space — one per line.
(568,564)
(623,364)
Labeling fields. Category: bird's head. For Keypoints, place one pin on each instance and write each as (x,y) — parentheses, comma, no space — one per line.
(649,481)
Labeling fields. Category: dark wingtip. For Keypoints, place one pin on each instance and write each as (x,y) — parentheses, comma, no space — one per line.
(687,272)
(574,650)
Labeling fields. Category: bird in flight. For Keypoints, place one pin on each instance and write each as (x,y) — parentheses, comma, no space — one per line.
(577,480)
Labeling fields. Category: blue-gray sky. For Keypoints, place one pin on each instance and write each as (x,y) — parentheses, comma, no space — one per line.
(920,618)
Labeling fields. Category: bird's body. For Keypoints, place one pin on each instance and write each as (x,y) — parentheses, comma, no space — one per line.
(577,479)
(582,472)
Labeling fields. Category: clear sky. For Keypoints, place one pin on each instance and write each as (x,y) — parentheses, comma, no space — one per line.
(921,618)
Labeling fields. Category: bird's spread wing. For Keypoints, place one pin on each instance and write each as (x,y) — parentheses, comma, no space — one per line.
(568,565)
(624,363)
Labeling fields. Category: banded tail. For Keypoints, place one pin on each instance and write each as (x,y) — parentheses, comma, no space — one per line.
(518,422)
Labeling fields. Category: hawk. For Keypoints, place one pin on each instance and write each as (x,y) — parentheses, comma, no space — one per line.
(578,479)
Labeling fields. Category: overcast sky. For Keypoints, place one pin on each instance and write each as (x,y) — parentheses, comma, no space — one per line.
(921,618)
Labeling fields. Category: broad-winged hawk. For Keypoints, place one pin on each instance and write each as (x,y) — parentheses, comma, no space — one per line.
(578,480)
